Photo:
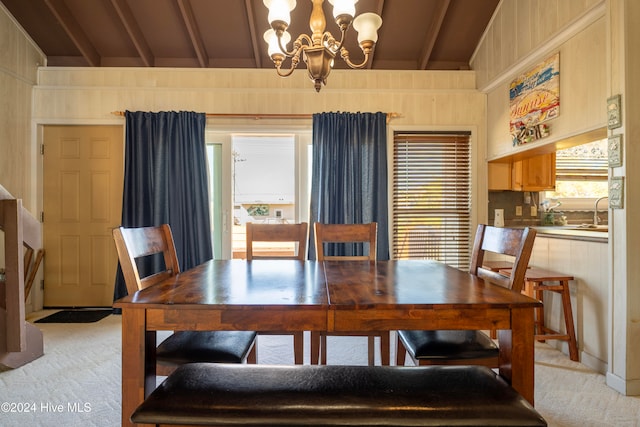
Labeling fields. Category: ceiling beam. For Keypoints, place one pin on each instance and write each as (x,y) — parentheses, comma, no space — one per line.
(74,31)
(134,32)
(255,41)
(379,8)
(432,34)
(194,33)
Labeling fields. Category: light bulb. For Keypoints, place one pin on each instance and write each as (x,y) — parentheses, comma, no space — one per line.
(272,40)
(367,25)
(344,7)
(279,10)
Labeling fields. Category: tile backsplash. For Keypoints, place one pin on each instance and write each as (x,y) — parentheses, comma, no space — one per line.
(508,200)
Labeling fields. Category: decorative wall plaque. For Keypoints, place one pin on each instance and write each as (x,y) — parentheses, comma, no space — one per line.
(615,151)
(614,112)
(616,192)
(534,98)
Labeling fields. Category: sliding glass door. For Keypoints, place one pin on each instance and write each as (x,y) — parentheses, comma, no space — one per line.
(260,177)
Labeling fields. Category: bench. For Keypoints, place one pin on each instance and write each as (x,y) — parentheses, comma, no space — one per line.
(230,394)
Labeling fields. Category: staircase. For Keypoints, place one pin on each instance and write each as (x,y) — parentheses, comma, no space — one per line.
(20,342)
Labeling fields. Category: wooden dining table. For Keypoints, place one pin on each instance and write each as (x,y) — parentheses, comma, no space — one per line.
(333,296)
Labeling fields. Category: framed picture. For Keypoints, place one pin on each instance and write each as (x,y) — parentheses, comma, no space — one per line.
(615,151)
(616,192)
(614,112)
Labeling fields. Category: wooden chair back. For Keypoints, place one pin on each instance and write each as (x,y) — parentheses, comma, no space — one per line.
(297,233)
(346,233)
(134,243)
(515,242)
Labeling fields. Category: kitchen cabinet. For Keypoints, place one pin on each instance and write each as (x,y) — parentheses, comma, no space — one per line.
(587,262)
(536,173)
(499,176)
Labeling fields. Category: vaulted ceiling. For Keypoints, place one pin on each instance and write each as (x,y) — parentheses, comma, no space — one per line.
(415,34)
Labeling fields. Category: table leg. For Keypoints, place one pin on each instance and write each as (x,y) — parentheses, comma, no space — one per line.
(517,352)
(138,361)
(315,347)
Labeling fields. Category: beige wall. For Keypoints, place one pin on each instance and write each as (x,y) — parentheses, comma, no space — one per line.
(19,60)
(534,30)
(520,29)
(598,41)
(429,100)
(623,68)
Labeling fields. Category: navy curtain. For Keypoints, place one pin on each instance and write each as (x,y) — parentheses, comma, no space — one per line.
(349,175)
(165,181)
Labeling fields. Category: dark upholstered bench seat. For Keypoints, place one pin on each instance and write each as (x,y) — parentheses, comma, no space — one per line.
(225,394)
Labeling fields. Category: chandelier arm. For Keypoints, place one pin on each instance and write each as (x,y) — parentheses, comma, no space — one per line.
(344,53)
(295,59)
(333,44)
(285,74)
(297,45)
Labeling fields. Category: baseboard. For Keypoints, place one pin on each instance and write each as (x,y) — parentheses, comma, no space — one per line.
(626,387)
(593,363)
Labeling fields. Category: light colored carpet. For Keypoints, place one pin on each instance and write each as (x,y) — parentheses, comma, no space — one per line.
(77,381)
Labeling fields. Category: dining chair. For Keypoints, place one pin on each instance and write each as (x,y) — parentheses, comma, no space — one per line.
(180,347)
(345,234)
(295,233)
(459,347)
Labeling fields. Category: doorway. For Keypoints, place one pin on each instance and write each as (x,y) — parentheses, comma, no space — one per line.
(263,184)
(261,177)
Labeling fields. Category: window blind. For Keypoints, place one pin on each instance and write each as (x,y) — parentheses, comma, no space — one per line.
(432,197)
(587,162)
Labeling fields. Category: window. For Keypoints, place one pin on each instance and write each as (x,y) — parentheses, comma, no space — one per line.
(432,197)
(581,175)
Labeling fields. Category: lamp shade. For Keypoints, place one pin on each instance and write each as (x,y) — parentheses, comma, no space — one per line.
(343,7)
(367,25)
(279,10)
(272,40)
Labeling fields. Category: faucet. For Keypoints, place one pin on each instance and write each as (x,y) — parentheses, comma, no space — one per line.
(596,220)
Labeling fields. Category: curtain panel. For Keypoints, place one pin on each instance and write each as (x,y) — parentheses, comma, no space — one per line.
(349,176)
(165,181)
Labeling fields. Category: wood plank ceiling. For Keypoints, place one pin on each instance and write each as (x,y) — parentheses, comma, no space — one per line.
(415,34)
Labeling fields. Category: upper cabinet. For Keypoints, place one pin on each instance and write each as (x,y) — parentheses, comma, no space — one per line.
(536,173)
(499,176)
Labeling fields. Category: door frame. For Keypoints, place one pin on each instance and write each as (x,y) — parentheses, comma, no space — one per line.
(35,302)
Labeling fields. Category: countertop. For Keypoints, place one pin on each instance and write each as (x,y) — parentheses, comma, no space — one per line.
(574,232)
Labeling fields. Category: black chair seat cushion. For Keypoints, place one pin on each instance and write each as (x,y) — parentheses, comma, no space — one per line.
(231,394)
(448,344)
(205,346)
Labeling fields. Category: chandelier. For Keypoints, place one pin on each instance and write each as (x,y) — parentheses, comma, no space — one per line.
(319,49)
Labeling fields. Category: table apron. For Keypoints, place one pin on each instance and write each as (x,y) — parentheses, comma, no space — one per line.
(236,320)
(431,319)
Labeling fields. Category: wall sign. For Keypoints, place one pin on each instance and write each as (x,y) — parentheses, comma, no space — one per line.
(614,112)
(615,151)
(534,97)
(616,192)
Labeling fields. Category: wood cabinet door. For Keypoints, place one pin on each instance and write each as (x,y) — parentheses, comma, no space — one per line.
(499,176)
(539,173)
